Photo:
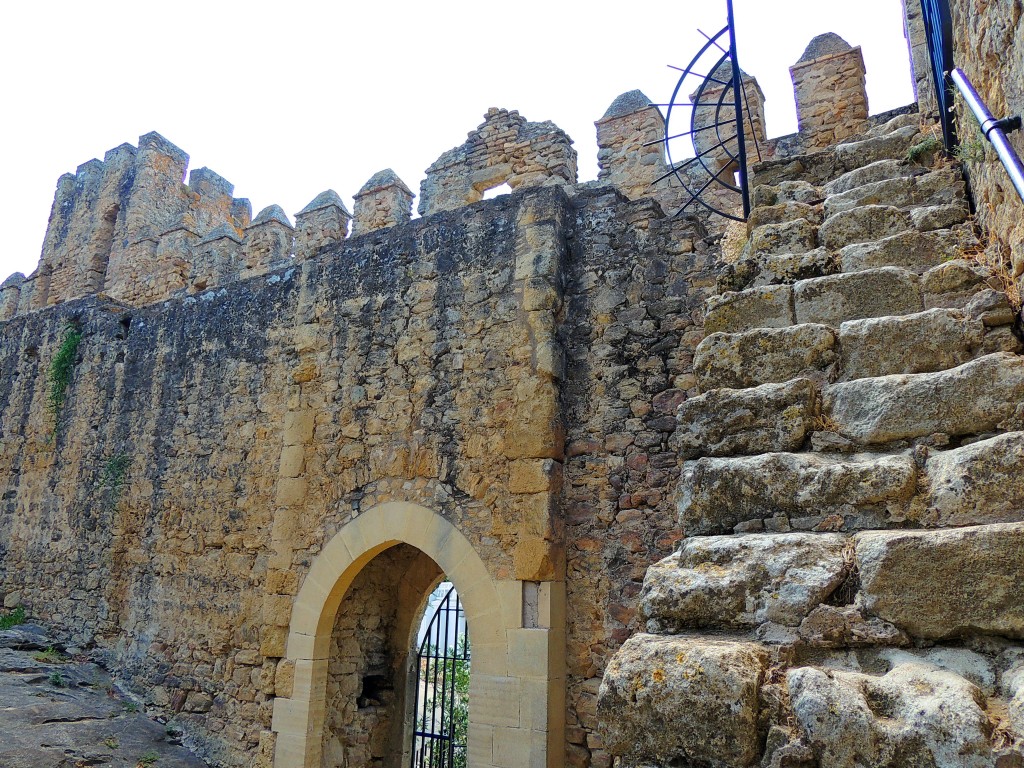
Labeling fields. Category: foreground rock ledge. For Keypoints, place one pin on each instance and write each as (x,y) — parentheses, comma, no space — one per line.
(683,698)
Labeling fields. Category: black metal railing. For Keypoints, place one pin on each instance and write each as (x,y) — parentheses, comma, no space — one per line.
(994,130)
(948,78)
(441,704)
(713,117)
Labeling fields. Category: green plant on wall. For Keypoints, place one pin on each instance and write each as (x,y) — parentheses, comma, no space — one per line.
(112,477)
(58,377)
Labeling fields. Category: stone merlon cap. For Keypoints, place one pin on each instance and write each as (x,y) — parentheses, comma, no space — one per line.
(382,179)
(222,231)
(207,178)
(824,45)
(627,103)
(325,199)
(16,279)
(272,213)
(158,143)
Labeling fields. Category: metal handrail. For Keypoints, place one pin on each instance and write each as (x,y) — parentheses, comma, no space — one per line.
(994,130)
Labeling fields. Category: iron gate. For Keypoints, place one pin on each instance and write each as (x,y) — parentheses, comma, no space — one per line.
(441,708)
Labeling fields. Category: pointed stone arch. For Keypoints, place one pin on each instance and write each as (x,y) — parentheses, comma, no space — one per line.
(518,645)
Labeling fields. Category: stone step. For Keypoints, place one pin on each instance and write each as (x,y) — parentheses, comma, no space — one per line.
(923,342)
(795,236)
(741,582)
(765,356)
(881,170)
(941,187)
(822,167)
(723,422)
(977,397)
(794,491)
(862,225)
(913,250)
(833,299)
(828,300)
(786,192)
(783,212)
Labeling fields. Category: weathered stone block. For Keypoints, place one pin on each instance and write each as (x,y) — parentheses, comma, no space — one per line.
(953,284)
(763,356)
(736,582)
(798,236)
(914,715)
(917,343)
(782,212)
(939,188)
(913,250)
(977,483)
(785,192)
(973,398)
(716,494)
(873,293)
(947,583)
(869,222)
(774,268)
(941,216)
(666,698)
(880,170)
(772,417)
(765,307)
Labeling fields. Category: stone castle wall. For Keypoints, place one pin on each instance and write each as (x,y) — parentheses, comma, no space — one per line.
(541,372)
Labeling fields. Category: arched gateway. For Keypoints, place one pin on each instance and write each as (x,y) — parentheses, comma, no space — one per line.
(517,687)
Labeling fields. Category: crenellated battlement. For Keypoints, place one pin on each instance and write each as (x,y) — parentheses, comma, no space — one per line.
(131,227)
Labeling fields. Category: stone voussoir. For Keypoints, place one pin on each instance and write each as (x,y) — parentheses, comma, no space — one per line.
(945,583)
(764,356)
(977,397)
(806,491)
(833,299)
(772,417)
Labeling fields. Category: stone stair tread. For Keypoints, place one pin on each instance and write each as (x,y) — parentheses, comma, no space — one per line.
(794,491)
(822,167)
(880,170)
(939,187)
(764,356)
(914,250)
(833,299)
(982,395)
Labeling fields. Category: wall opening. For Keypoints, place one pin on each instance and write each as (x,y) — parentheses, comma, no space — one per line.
(440,713)
(493,192)
(103,244)
(370,671)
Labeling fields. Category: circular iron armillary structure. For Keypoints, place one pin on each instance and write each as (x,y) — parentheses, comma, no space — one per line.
(713,116)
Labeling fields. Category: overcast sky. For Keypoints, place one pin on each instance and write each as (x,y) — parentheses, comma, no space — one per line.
(286,100)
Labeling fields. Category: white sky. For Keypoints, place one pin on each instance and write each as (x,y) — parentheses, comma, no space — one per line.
(286,100)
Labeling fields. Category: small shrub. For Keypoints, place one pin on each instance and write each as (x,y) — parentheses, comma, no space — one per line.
(59,374)
(130,706)
(56,679)
(12,618)
(50,656)
(924,148)
(112,477)
(147,759)
(111,742)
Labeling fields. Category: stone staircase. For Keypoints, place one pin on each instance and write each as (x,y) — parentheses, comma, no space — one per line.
(860,376)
